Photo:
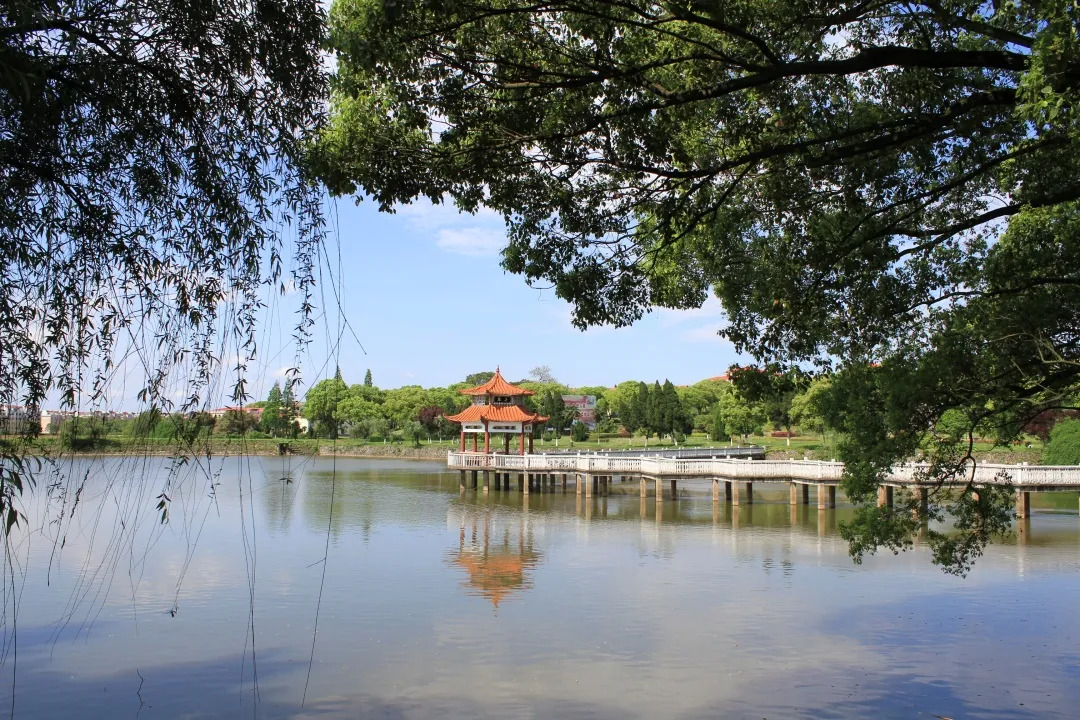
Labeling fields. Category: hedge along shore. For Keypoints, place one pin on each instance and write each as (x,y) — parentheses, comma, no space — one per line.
(403,451)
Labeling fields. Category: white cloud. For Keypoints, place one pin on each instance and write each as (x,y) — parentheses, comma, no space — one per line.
(424,214)
(481,233)
(282,372)
(471,240)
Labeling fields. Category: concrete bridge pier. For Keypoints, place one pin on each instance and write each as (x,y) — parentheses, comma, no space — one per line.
(659,492)
(474,478)
(749,493)
(821,496)
(564,483)
(727,491)
(577,483)
(716,491)
(674,489)
(733,493)
(521,482)
(506,482)
(526,486)
(923,507)
(461,480)
(487,481)
(589,482)
(806,494)
(793,493)
(1023,504)
(644,489)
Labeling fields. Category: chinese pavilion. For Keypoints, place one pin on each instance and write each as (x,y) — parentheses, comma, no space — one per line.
(497,407)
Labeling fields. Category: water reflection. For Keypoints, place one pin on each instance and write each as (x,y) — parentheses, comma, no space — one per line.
(496,568)
(445,604)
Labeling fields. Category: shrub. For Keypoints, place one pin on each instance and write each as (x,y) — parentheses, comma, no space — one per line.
(608,425)
(624,433)
(82,434)
(1064,445)
(952,425)
(579,432)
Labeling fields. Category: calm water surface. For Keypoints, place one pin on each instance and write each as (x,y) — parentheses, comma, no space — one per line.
(440,604)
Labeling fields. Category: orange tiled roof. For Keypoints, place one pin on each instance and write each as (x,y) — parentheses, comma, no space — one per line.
(497,386)
(495,413)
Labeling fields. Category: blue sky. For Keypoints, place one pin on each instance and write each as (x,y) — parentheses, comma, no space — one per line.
(426,296)
(424,293)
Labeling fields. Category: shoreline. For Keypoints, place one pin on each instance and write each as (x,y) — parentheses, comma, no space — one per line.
(324,448)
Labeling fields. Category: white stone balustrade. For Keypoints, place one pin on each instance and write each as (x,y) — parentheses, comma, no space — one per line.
(1039,477)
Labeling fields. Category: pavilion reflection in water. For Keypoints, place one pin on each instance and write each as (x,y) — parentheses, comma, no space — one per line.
(497,554)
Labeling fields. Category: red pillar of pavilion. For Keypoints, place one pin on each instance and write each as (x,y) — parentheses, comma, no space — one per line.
(487,439)
(462,438)
(522,440)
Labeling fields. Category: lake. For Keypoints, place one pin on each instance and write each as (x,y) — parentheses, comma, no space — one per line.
(433,604)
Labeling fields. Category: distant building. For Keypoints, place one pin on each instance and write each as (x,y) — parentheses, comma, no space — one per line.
(15,419)
(51,420)
(586,407)
(255,412)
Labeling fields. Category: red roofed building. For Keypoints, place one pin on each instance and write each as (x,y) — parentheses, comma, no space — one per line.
(497,408)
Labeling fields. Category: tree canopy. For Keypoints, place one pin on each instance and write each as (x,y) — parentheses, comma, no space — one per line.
(887,188)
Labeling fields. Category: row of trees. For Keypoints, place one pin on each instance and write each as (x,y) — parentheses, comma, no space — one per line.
(279,412)
(718,407)
(334,408)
